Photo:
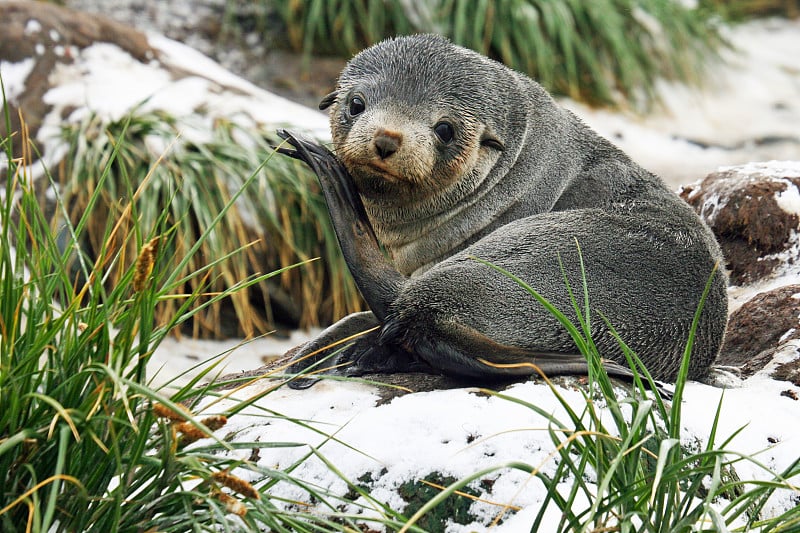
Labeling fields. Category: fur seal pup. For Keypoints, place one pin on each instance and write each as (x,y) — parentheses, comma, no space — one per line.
(443,156)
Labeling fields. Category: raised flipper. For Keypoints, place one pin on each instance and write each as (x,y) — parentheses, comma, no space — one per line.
(376,278)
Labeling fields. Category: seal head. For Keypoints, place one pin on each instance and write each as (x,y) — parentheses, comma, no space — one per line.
(428,140)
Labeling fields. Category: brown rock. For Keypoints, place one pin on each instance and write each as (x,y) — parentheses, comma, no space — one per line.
(741,205)
(788,372)
(759,329)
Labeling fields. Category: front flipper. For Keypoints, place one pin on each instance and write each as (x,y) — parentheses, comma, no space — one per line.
(350,347)
(376,278)
(324,352)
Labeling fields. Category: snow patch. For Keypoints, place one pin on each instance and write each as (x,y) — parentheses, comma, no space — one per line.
(105,80)
(774,168)
(241,98)
(789,199)
(458,432)
(786,335)
(15,75)
(32,27)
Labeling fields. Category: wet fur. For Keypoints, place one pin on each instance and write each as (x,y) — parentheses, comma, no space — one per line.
(522,181)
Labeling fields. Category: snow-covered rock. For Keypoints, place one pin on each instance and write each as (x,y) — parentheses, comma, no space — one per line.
(59,66)
(340,432)
(754,210)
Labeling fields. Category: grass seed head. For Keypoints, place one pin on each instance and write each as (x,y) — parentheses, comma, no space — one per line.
(236,484)
(190,433)
(162,411)
(214,422)
(144,264)
(232,505)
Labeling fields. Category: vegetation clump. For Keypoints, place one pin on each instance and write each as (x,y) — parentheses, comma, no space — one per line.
(608,52)
(277,220)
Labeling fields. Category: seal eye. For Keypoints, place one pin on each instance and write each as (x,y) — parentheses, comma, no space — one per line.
(444,131)
(357,106)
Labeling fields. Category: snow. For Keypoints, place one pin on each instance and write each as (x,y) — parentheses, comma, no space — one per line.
(14,76)
(789,200)
(765,414)
(748,110)
(104,80)
(460,432)
(107,81)
(752,98)
(101,81)
(32,27)
(449,431)
(185,358)
(785,169)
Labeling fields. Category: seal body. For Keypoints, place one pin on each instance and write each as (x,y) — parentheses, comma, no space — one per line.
(450,157)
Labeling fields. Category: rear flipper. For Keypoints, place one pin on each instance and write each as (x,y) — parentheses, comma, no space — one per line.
(350,347)
(324,353)
(459,350)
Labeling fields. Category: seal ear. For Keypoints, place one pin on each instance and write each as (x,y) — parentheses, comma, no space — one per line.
(490,141)
(329,99)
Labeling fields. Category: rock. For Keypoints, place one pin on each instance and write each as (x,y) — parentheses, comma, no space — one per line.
(391,386)
(790,370)
(753,210)
(39,36)
(763,327)
(60,66)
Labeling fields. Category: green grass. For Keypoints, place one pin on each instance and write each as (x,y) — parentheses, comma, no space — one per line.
(608,52)
(280,218)
(85,443)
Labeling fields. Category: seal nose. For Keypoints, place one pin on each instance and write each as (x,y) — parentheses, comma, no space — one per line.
(386,143)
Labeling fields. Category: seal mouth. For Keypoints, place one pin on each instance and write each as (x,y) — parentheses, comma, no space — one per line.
(384,172)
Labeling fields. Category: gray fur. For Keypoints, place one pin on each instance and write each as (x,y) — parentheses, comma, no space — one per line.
(539,181)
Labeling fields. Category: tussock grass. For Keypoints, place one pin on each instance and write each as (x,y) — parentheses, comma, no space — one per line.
(280,218)
(85,443)
(603,52)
